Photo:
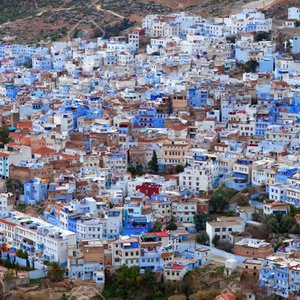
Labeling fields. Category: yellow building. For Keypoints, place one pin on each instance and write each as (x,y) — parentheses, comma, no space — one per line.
(174,151)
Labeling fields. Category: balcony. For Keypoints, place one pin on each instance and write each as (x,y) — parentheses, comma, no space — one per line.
(28,246)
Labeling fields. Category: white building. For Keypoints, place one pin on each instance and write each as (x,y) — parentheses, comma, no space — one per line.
(7,204)
(175,272)
(259,176)
(88,229)
(184,211)
(134,39)
(275,208)
(223,227)
(294,13)
(65,121)
(127,252)
(125,58)
(37,237)
(13,157)
(278,192)
(199,177)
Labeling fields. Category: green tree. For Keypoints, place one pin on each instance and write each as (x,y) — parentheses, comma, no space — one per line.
(4,135)
(294,210)
(262,36)
(273,224)
(218,203)
(250,66)
(130,283)
(55,272)
(287,223)
(171,226)
(132,170)
(202,238)
(127,276)
(156,227)
(179,168)
(200,219)
(216,240)
(153,163)
(139,170)
(230,213)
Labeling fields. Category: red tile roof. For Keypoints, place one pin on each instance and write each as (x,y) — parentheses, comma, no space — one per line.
(2,154)
(44,151)
(226,296)
(176,267)
(160,233)
(7,222)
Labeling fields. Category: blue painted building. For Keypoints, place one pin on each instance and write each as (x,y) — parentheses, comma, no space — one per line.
(35,191)
(266,64)
(197,97)
(149,118)
(296,45)
(144,118)
(135,225)
(280,273)
(11,91)
(261,125)
(150,260)
(52,217)
(284,173)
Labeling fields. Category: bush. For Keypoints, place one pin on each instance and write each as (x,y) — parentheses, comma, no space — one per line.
(262,36)
(218,203)
(216,240)
(171,226)
(225,245)
(231,39)
(55,272)
(200,219)
(250,66)
(156,227)
(9,275)
(22,254)
(202,238)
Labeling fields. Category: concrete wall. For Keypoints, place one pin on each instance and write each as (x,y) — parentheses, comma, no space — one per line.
(12,284)
(37,274)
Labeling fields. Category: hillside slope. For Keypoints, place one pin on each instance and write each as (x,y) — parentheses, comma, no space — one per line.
(43,21)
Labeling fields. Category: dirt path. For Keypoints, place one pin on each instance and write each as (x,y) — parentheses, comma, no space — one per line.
(40,13)
(260,4)
(99,8)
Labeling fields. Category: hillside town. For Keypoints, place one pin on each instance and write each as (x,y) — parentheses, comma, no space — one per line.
(171,149)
